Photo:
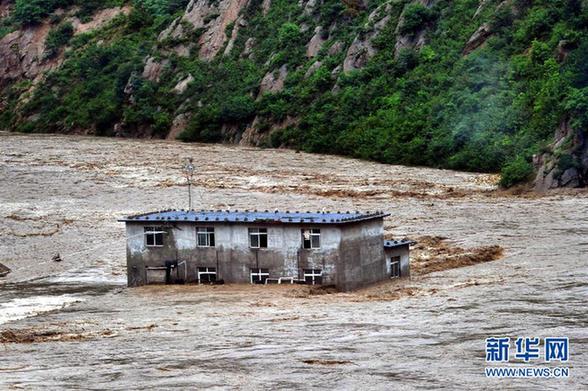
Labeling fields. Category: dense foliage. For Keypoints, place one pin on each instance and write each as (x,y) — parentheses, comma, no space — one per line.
(488,110)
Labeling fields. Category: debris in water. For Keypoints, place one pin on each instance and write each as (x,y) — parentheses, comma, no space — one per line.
(56,258)
(318,361)
(4,270)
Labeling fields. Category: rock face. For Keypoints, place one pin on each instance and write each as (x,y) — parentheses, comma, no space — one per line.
(415,41)
(100,19)
(5,7)
(153,69)
(312,69)
(22,51)
(478,38)
(253,136)
(566,165)
(265,6)
(178,126)
(21,54)
(182,86)
(273,81)
(361,50)
(212,17)
(316,42)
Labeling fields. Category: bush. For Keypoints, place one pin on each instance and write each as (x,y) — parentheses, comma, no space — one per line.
(32,11)
(236,109)
(416,16)
(517,171)
(57,38)
(289,34)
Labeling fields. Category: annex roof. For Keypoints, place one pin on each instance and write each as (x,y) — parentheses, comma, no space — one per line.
(398,243)
(248,216)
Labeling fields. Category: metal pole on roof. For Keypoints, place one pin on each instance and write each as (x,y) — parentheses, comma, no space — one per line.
(189,174)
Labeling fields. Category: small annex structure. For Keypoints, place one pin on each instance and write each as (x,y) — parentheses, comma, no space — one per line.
(344,249)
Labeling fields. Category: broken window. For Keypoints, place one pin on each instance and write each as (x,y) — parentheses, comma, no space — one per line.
(313,276)
(154,236)
(206,275)
(394,267)
(205,236)
(258,276)
(258,237)
(311,238)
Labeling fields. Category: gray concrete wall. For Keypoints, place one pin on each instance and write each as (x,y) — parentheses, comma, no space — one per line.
(232,255)
(404,253)
(362,260)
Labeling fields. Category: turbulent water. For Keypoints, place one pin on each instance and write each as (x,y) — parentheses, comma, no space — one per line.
(72,324)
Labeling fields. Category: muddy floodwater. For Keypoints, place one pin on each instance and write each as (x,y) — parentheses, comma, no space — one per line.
(74,325)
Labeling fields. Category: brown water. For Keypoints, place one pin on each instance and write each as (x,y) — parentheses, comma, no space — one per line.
(86,331)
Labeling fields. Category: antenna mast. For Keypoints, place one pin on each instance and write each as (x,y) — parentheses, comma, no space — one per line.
(189,174)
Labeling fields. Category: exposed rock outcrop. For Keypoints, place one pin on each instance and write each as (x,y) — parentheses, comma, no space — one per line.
(411,41)
(336,48)
(316,42)
(153,69)
(21,54)
(179,124)
(182,86)
(265,6)
(274,81)
(478,38)
(254,136)
(308,6)
(312,69)
(100,19)
(212,17)
(566,164)
(480,8)
(248,50)
(5,8)
(361,50)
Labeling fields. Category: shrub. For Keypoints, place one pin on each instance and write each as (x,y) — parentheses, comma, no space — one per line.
(289,34)
(238,108)
(57,38)
(415,17)
(32,11)
(517,171)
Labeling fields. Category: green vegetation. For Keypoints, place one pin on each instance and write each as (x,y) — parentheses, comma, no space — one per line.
(57,38)
(27,12)
(489,110)
(516,171)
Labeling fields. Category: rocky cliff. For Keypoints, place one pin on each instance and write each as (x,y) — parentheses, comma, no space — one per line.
(476,85)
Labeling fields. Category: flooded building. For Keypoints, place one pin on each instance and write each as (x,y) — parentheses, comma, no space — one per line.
(331,248)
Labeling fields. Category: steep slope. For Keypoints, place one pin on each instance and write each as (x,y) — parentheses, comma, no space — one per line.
(478,85)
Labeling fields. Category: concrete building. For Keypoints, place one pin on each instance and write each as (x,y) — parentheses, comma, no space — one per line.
(342,249)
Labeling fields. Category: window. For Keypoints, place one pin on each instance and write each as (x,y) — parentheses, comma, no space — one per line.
(258,237)
(206,275)
(394,267)
(258,276)
(311,238)
(205,236)
(154,236)
(313,276)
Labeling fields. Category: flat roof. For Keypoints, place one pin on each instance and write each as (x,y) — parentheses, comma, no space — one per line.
(248,216)
(398,243)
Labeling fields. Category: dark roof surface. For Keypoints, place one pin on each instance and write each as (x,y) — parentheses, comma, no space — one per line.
(398,243)
(247,216)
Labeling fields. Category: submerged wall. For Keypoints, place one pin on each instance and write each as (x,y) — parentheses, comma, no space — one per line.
(232,256)
(350,256)
(404,253)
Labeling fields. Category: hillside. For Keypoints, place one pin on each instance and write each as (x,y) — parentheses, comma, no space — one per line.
(478,85)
